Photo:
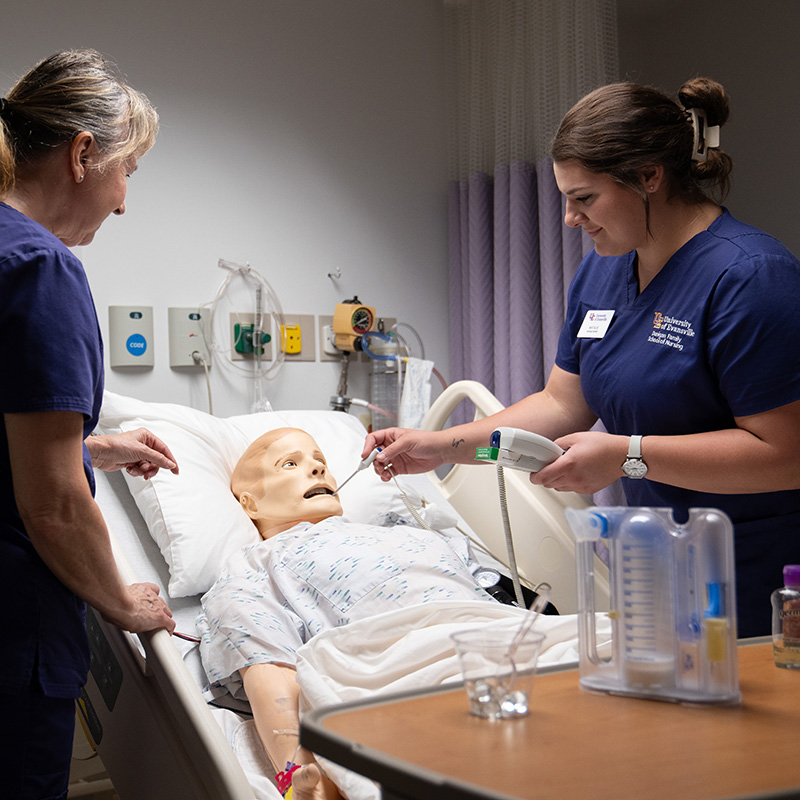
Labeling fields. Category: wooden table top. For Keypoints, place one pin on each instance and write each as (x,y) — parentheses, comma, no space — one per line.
(577,744)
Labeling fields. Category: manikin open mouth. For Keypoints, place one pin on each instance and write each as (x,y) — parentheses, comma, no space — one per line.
(318,490)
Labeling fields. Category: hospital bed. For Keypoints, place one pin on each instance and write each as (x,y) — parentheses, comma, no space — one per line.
(144,707)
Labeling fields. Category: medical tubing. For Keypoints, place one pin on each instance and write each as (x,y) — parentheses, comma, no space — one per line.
(416,335)
(376,356)
(512,556)
(413,511)
(403,342)
(260,403)
(407,502)
(275,311)
(440,377)
(198,358)
(356,401)
(257,326)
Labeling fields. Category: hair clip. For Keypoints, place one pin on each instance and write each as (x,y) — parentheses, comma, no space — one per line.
(705,135)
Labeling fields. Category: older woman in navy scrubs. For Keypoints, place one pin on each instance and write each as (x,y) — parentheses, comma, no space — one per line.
(71,133)
(680,335)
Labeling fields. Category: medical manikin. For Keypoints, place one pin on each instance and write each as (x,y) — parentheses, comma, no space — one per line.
(313,571)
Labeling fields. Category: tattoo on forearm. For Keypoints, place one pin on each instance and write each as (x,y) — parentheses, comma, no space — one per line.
(457,442)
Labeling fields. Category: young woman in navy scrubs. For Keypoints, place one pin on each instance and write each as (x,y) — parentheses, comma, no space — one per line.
(693,366)
(71,133)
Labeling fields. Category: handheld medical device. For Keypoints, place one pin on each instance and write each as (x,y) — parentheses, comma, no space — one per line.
(673,604)
(518,449)
(365,462)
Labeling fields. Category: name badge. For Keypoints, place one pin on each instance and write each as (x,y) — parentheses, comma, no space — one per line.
(595,324)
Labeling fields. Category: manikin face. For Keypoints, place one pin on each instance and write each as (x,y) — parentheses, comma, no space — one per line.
(290,484)
(612,215)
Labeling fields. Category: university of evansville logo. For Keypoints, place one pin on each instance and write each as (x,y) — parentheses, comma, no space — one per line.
(670,331)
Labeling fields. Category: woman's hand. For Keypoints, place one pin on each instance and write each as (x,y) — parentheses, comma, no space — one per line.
(148,610)
(139,452)
(406,451)
(592,461)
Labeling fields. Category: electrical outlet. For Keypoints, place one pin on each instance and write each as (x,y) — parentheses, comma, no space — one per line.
(241,320)
(187,336)
(298,341)
(327,351)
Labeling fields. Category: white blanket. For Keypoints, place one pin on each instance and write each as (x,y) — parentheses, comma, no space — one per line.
(410,649)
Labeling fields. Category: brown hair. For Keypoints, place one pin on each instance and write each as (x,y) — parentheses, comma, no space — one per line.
(70,92)
(623,128)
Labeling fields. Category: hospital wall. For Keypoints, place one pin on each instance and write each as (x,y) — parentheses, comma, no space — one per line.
(301,137)
(308,137)
(751,48)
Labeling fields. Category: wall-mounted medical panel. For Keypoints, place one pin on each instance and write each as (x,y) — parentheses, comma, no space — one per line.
(187,337)
(130,335)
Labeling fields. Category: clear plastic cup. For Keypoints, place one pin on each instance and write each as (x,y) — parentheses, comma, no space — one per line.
(499,684)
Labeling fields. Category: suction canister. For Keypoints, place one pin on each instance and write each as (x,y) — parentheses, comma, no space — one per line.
(673,615)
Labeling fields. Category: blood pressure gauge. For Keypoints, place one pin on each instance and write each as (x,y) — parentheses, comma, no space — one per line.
(486,577)
(351,320)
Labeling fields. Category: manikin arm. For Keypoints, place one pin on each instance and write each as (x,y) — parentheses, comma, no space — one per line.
(273,693)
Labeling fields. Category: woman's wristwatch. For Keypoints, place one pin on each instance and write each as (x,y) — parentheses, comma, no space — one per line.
(634,466)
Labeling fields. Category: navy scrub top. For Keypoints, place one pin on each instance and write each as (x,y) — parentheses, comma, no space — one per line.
(712,337)
(52,360)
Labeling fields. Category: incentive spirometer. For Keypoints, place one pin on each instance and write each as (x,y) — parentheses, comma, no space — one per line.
(673,604)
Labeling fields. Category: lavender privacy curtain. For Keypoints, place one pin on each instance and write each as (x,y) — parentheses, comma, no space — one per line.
(511,262)
(514,68)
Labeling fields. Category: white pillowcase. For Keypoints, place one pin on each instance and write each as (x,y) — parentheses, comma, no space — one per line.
(193,517)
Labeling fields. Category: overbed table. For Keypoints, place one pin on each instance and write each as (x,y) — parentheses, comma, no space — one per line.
(575,744)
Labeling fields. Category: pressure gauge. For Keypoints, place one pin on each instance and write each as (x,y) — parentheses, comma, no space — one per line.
(486,576)
(361,320)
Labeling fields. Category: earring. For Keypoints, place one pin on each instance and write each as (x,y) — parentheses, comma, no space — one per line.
(652,187)
(80,178)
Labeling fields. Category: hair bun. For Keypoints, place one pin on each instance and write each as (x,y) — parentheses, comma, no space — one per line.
(707,95)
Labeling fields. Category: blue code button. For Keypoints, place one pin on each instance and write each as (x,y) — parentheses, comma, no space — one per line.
(136,344)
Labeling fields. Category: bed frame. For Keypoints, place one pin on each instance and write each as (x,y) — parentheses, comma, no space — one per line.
(144,711)
(142,708)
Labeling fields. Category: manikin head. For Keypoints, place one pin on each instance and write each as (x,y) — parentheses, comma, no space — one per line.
(283,479)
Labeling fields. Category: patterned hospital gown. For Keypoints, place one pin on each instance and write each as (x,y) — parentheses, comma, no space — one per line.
(274,596)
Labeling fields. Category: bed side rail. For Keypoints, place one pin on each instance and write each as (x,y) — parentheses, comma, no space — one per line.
(152,728)
(543,542)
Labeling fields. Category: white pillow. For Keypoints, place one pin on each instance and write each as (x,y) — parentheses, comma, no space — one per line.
(193,517)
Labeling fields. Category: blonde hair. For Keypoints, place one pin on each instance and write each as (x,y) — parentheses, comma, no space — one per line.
(67,93)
